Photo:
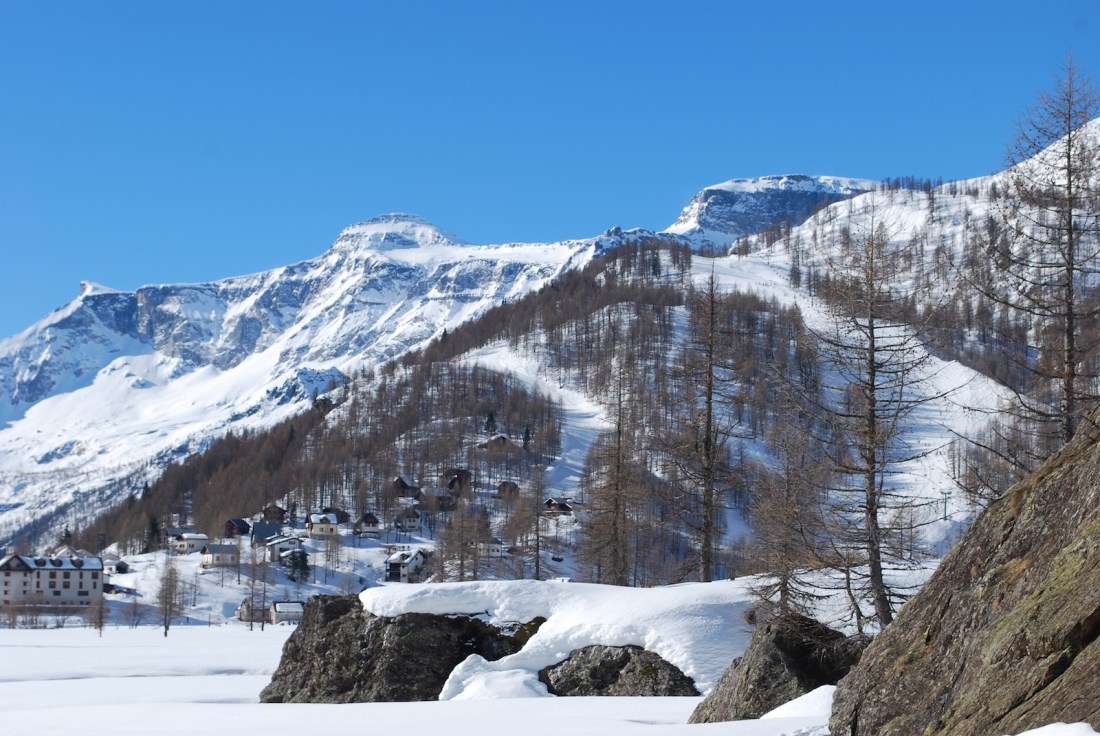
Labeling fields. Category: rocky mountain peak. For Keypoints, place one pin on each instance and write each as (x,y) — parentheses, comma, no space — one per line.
(393,231)
(721,213)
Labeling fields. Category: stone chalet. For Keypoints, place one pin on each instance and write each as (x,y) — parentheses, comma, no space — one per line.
(50,581)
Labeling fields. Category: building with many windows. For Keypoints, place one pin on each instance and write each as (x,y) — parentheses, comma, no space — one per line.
(50,581)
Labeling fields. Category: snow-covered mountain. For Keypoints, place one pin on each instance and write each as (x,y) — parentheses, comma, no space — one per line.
(114,384)
(99,395)
(722,213)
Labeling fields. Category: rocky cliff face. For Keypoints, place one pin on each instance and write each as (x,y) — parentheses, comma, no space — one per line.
(1004,638)
(720,214)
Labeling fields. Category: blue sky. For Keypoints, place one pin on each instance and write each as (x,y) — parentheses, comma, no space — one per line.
(151,142)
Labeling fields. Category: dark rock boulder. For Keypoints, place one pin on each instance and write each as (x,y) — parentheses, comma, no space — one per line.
(629,670)
(342,654)
(786,658)
(1004,637)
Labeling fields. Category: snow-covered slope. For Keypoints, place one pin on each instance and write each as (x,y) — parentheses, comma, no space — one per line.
(113,384)
(722,213)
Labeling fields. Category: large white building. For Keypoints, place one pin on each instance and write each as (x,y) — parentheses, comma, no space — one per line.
(50,581)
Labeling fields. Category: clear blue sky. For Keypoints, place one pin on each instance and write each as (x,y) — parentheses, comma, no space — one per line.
(151,142)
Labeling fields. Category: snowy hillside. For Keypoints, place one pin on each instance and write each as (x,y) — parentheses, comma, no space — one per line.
(114,384)
(99,395)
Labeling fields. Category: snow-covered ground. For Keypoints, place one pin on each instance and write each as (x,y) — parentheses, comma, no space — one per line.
(198,678)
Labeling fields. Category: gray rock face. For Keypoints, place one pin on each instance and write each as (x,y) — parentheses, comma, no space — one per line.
(1005,637)
(342,654)
(784,660)
(629,671)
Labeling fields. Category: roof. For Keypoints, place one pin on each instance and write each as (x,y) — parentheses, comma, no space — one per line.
(323,519)
(265,529)
(288,606)
(282,539)
(218,549)
(52,563)
(403,557)
(192,536)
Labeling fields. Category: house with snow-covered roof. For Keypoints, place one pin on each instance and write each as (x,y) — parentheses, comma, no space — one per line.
(367,525)
(286,612)
(322,526)
(278,546)
(405,566)
(556,507)
(188,542)
(114,565)
(59,582)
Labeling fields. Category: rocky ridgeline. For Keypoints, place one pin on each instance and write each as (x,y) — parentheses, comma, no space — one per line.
(1004,637)
(342,654)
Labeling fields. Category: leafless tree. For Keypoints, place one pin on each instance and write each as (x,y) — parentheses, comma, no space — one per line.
(875,371)
(170,596)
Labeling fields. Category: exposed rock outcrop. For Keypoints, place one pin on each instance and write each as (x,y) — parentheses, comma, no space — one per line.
(785,659)
(629,670)
(1003,638)
(342,654)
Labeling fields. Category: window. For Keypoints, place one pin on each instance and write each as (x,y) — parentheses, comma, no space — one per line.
(95,576)
(53,574)
(53,583)
(56,592)
(66,575)
(82,592)
(65,584)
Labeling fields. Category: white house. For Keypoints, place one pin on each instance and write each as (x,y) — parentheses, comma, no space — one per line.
(408,520)
(219,555)
(277,546)
(188,542)
(286,612)
(403,567)
(321,526)
(53,581)
(490,548)
(114,565)
(367,525)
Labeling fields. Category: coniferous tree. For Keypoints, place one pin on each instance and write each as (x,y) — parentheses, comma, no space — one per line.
(1042,257)
(875,371)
